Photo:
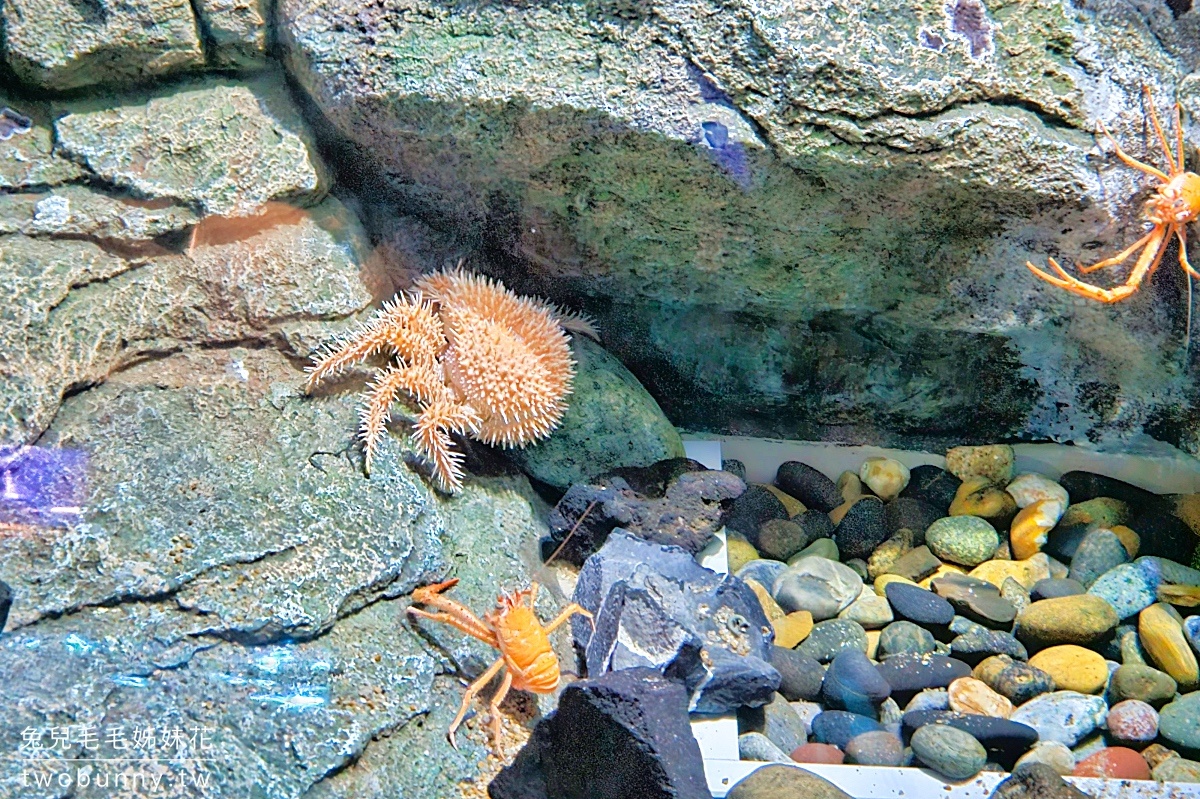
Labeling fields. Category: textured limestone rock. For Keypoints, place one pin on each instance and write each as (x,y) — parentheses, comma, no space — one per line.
(236,29)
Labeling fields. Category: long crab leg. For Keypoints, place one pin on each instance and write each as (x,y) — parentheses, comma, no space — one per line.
(1130,161)
(1148,261)
(420,381)
(1179,136)
(1183,256)
(567,612)
(1162,139)
(470,694)
(454,614)
(1119,257)
(494,709)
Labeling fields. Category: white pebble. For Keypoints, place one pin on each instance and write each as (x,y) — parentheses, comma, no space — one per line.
(1028,488)
(887,477)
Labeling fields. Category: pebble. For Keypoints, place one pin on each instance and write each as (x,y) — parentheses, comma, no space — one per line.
(770,607)
(792,628)
(887,477)
(1114,763)
(1179,722)
(821,548)
(1031,487)
(1083,486)
(904,637)
(817,753)
(748,512)
(1037,781)
(910,674)
(1099,551)
(977,645)
(1054,754)
(861,529)
(1191,629)
(932,485)
(1177,769)
(735,467)
(966,540)
(808,485)
(1130,588)
(1031,526)
(979,497)
(756,746)
(1015,593)
(1162,637)
(1003,739)
(781,538)
(909,513)
(776,781)
(993,461)
(1063,541)
(870,610)
(1066,716)
(1103,511)
(837,727)
(929,699)
(782,725)
(969,695)
(942,571)
(1082,619)
(1129,539)
(1172,572)
(915,564)
(800,675)
(1026,572)
(807,711)
(878,748)
(740,550)
(762,571)
(889,552)
(853,683)
(859,566)
(1073,668)
(918,605)
(794,506)
(1141,682)
(830,637)
(1054,587)
(976,599)
(1132,723)
(821,586)
(1014,679)
(949,751)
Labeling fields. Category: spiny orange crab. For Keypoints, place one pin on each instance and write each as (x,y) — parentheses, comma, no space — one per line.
(525,655)
(1175,203)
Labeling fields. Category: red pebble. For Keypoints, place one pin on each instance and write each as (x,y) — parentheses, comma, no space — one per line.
(1114,763)
(818,753)
(1133,722)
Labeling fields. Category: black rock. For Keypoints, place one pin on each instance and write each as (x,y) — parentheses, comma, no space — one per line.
(919,606)
(853,683)
(800,676)
(1082,486)
(933,485)
(837,727)
(910,674)
(748,512)
(816,524)
(5,603)
(808,485)
(1036,781)
(1164,534)
(674,502)
(975,646)
(1062,542)
(976,599)
(1004,740)
(625,734)
(735,467)
(655,606)
(911,513)
(1054,587)
(861,529)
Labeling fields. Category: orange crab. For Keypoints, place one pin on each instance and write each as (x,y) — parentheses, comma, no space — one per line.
(513,628)
(1175,203)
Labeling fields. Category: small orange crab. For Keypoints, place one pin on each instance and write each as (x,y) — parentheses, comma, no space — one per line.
(1175,203)
(515,630)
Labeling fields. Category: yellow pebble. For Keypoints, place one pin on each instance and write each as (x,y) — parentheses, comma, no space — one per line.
(942,571)
(1128,538)
(1162,638)
(1073,668)
(793,628)
(769,605)
(793,506)
(969,695)
(980,497)
(1026,572)
(1031,526)
(882,581)
(993,461)
(873,642)
(740,550)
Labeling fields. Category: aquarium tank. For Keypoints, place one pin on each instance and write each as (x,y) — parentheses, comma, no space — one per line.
(599,399)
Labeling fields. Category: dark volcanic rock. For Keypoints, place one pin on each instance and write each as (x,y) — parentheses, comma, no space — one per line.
(912,514)
(808,485)
(1163,533)
(748,512)
(910,674)
(861,529)
(781,538)
(1082,486)
(625,734)
(919,606)
(800,675)
(1062,541)
(977,645)
(647,600)
(1005,740)
(852,683)
(1036,781)
(932,485)
(674,502)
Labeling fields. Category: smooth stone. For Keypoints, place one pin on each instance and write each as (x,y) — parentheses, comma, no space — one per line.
(1031,527)
(1130,588)
(887,477)
(878,748)
(853,683)
(976,599)
(1083,486)
(1125,645)
(1162,637)
(873,643)
(780,538)
(1083,619)
(1054,754)
(1015,593)
(889,552)
(800,675)
(1058,569)
(1156,753)
(808,485)
(1177,769)
(792,628)
(1017,681)
(918,605)
(837,727)
(749,511)
(793,506)
(859,567)
(910,674)
(1099,551)
(1114,763)
(807,711)
(764,572)
(850,486)
(1066,716)
(784,782)
(1179,723)
(929,699)
(821,548)
(904,637)
(870,610)
(1032,487)
(944,570)
(816,753)
(740,551)
(933,485)
(1141,682)
(1026,572)
(1191,629)
(1036,781)
(1163,534)
(758,747)
(909,513)
(1004,740)
(861,529)
(1102,511)
(980,497)
(1129,539)
(1132,723)
(949,751)
(993,461)
(782,724)
(915,564)
(770,607)
(884,580)
(977,645)
(969,695)
(1179,596)
(1062,542)
(1172,572)
(1073,668)
(1053,588)
(819,585)
(830,637)
(966,540)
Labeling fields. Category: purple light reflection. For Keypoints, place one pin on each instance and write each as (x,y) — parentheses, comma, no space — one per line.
(42,486)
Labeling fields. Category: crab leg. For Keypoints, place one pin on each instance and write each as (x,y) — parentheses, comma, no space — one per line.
(1183,257)
(1119,257)
(1146,264)
(470,694)
(494,709)
(1162,139)
(420,381)
(567,612)
(1133,162)
(1179,134)
(454,614)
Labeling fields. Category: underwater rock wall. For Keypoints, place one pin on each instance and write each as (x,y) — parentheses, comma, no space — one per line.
(792,219)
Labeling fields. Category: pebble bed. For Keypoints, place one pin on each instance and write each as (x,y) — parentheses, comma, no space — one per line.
(968,619)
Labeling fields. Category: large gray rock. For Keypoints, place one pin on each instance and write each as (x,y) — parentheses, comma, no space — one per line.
(775,210)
